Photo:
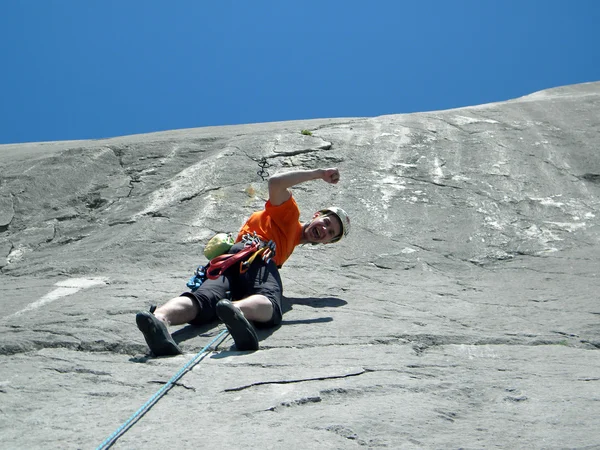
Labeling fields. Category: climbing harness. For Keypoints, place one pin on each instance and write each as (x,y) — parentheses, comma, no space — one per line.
(254,246)
(262,172)
(217,266)
(162,391)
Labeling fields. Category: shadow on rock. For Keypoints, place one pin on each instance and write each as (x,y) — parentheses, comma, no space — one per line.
(314,302)
(307,321)
(193,331)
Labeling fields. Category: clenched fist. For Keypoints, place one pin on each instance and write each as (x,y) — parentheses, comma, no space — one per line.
(331,175)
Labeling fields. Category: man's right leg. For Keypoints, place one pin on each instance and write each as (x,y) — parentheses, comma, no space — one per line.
(176,311)
(154,327)
(197,307)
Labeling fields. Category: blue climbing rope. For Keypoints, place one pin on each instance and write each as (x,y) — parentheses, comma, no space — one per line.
(156,397)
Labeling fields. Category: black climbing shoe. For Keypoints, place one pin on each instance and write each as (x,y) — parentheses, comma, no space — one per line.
(156,334)
(241,330)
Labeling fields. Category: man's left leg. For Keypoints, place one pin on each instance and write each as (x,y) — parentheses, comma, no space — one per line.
(237,315)
(262,306)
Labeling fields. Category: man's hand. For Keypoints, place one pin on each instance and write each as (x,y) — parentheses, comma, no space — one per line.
(331,175)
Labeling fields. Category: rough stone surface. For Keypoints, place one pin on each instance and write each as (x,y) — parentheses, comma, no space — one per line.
(462,312)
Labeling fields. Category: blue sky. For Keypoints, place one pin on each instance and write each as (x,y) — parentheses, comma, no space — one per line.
(86,69)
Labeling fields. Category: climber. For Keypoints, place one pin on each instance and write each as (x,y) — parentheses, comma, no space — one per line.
(256,291)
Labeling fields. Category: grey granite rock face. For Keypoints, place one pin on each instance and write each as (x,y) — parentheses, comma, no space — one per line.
(462,311)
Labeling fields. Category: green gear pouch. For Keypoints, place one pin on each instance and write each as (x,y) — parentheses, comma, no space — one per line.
(218,245)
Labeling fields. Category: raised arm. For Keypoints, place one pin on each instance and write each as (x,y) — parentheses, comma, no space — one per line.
(279,184)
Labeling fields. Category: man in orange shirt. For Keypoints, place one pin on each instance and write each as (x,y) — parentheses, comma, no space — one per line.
(257,292)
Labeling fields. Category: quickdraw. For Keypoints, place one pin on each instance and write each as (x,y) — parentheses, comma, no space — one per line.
(266,249)
(263,164)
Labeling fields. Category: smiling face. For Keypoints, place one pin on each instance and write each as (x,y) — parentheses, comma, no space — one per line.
(322,229)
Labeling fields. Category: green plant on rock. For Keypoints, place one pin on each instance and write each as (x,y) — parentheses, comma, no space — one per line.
(306,132)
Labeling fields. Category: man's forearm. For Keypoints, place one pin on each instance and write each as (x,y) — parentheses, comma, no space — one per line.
(289,179)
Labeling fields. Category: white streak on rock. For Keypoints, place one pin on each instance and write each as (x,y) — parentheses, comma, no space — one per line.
(389,187)
(570,227)
(438,173)
(187,183)
(547,201)
(65,287)
(464,120)
(15,255)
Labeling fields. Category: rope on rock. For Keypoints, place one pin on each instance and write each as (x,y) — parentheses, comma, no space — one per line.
(162,391)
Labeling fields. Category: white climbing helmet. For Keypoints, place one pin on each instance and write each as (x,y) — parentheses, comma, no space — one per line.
(344,219)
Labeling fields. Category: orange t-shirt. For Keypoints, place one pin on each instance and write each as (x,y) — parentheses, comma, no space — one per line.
(280,224)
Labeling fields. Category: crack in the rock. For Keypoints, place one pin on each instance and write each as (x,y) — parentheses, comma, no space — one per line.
(131,186)
(121,222)
(559,169)
(193,196)
(594,344)
(6,226)
(190,388)
(295,152)
(132,179)
(380,266)
(55,333)
(356,392)
(72,239)
(422,180)
(335,124)
(79,370)
(452,125)
(590,177)
(54,233)
(423,342)
(302,401)
(12,348)
(298,380)
(6,262)
(156,214)
(118,154)
(552,272)
(12,247)
(344,432)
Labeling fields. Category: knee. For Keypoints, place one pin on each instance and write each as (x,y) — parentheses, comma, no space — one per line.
(257,308)
(272,313)
(177,310)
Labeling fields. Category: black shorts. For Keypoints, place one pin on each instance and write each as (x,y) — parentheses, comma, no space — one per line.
(260,278)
